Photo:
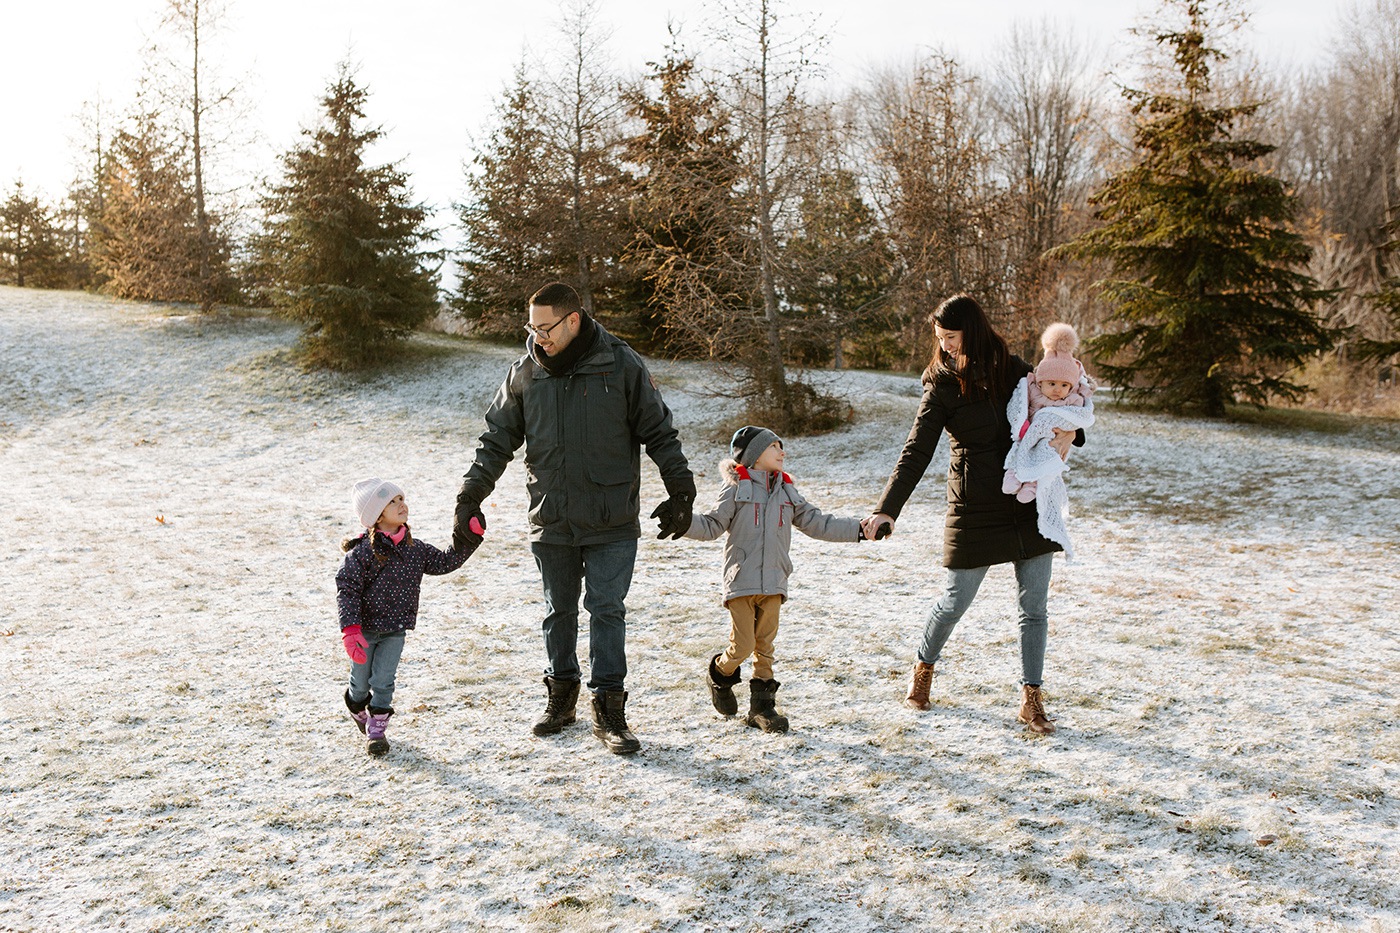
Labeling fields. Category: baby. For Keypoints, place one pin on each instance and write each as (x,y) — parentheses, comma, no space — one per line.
(1059,381)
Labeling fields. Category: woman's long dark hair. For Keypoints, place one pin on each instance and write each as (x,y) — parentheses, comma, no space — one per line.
(982,364)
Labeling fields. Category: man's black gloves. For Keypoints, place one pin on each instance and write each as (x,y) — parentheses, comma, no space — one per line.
(673,516)
(463,535)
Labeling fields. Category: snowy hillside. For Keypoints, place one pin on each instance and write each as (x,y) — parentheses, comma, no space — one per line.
(1224,662)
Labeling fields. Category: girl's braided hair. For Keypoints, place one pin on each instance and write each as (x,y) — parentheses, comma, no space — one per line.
(375,534)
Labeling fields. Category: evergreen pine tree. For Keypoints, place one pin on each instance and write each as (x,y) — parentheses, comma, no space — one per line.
(343,249)
(1210,307)
(510,247)
(30,251)
(841,270)
(686,212)
(1387,298)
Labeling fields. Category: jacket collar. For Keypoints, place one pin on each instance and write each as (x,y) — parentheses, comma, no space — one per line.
(743,473)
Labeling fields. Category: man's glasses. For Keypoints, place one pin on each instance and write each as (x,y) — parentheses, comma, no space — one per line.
(538,331)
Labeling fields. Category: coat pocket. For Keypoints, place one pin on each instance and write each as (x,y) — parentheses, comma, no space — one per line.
(734,565)
(612,499)
(544,497)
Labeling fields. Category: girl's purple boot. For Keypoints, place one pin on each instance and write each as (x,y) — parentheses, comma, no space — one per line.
(375,728)
(357,711)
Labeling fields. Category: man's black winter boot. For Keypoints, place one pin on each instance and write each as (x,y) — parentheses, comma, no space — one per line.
(610,722)
(560,710)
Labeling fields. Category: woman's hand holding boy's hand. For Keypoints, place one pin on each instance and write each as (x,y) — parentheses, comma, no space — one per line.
(355,644)
(877,526)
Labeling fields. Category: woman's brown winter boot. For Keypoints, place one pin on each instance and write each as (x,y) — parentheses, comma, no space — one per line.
(919,683)
(1033,711)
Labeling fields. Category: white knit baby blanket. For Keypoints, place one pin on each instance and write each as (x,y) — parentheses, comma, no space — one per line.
(1033,459)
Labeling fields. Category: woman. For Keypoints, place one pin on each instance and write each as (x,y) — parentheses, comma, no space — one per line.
(966,388)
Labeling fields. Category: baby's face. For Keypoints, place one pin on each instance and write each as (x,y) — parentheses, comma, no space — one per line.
(1054,389)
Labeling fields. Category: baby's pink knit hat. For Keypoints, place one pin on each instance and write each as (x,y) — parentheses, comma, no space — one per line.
(1060,341)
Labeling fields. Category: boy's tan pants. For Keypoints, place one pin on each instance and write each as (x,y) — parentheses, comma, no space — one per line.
(753,626)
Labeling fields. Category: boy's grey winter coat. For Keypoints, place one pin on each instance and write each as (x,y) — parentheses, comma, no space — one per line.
(759,513)
(583,458)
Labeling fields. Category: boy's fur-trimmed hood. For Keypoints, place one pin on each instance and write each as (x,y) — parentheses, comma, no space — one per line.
(729,471)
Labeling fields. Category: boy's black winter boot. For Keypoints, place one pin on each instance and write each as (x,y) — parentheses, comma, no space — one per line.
(762,712)
(561,709)
(610,722)
(722,688)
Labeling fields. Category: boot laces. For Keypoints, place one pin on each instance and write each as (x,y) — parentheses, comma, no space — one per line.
(556,703)
(1035,704)
(923,678)
(615,720)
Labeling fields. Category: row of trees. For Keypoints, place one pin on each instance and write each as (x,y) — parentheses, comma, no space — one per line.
(728,208)
(136,221)
(739,215)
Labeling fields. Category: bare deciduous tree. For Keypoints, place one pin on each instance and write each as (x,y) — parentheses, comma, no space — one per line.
(582,108)
(931,176)
(1042,97)
(189,86)
(763,79)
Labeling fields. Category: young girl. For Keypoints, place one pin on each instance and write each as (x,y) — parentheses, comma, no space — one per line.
(758,507)
(377,595)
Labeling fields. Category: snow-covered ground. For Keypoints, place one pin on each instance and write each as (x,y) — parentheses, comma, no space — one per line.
(1224,663)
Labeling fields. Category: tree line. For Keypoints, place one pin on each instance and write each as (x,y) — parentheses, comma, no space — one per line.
(1217,224)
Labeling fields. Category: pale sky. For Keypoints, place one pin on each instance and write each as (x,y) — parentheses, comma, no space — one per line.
(435,68)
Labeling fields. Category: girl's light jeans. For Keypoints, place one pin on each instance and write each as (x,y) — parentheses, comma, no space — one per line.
(1033,589)
(375,677)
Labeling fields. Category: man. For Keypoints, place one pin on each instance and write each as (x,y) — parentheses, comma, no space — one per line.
(583,403)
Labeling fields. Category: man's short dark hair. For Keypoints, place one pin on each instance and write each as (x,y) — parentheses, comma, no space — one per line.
(559,296)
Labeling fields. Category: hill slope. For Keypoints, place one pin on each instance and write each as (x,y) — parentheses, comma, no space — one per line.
(1223,663)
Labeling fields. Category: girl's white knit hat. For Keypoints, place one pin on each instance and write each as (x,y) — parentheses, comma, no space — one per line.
(370,496)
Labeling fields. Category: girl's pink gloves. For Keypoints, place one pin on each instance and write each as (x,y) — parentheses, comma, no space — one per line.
(355,644)
(476,526)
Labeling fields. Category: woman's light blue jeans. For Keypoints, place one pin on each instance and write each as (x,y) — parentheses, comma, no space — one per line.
(375,677)
(1033,590)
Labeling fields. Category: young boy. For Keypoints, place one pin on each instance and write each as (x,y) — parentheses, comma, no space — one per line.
(758,507)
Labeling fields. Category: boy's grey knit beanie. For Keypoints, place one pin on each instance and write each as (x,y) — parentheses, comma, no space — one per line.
(750,442)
